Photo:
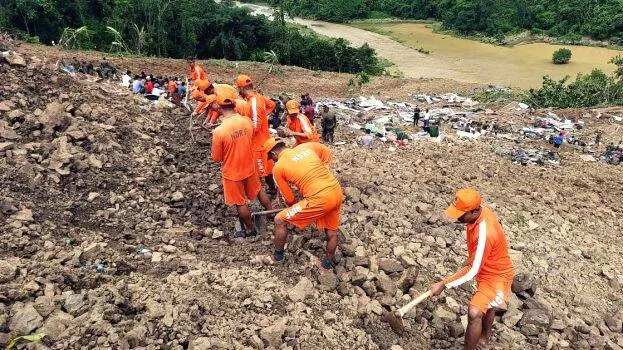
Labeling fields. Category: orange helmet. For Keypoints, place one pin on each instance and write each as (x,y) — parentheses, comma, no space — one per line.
(226,99)
(293,106)
(203,85)
(271,143)
(243,81)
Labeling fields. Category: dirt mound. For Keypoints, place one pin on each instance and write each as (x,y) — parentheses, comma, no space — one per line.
(116,236)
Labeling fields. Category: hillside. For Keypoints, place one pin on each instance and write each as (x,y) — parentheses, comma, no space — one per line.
(116,235)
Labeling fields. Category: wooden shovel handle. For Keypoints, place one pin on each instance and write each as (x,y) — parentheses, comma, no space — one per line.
(266,212)
(403,310)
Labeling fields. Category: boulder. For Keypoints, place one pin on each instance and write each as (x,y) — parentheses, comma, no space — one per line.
(273,334)
(25,320)
(385,284)
(8,269)
(353,194)
(74,304)
(524,282)
(327,281)
(54,118)
(541,319)
(16,60)
(390,265)
(301,290)
(201,343)
(56,324)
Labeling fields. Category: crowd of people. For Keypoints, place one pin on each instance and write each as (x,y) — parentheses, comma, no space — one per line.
(171,87)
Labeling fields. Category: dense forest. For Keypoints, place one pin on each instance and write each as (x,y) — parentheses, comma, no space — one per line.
(570,19)
(178,28)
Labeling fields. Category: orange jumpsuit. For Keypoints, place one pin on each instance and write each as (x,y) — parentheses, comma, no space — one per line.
(488,262)
(302,124)
(231,145)
(197,73)
(306,168)
(214,114)
(258,108)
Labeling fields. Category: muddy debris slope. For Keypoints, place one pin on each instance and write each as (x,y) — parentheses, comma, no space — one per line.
(116,237)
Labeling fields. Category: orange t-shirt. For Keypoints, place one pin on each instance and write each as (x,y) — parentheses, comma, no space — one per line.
(231,145)
(198,73)
(172,86)
(258,108)
(302,167)
(303,125)
(488,252)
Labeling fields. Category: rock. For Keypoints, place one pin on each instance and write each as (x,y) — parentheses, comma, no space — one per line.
(534,303)
(44,305)
(361,261)
(536,317)
(15,116)
(6,146)
(23,215)
(136,336)
(6,132)
(90,253)
(177,196)
(390,265)
(369,287)
(92,196)
(407,279)
(301,290)
(8,269)
(456,329)
(327,281)
(444,314)
(74,304)
(524,282)
(273,334)
(217,234)
(359,275)
(156,257)
(614,323)
(385,284)
(56,324)
(25,320)
(54,118)
(201,343)
(6,106)
(395,347)
(512,317)
(353,194)
(407,261)
(16,60)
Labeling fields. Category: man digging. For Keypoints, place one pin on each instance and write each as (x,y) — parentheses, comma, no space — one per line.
(488,262)
(307,168)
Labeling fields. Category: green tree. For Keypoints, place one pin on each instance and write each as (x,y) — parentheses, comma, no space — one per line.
(561,56)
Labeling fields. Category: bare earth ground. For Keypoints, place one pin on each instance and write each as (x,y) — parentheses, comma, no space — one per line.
(90,174)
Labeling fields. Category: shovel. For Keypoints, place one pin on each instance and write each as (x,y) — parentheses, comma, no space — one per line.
(257,216)
(395,318)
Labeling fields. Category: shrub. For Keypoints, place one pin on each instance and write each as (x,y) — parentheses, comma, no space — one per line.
(561,56)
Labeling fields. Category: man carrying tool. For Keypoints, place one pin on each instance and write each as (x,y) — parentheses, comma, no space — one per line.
(307,168)
(298,125)
(232,146)
(195,71)
(488,262)
(259,107)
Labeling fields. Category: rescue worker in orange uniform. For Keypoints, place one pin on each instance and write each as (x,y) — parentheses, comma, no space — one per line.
(259,108)
(488,262)
(195,71)
(306,167)
(298,125)
(232,143)
(204,94)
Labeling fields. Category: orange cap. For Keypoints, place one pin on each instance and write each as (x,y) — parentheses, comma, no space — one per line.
(226,99)
(203,85)
(271,143)
(293,106)
(198,94)
(467,199)
(243,81)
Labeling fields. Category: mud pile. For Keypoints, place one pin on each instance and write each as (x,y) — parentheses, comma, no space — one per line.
(116,236)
